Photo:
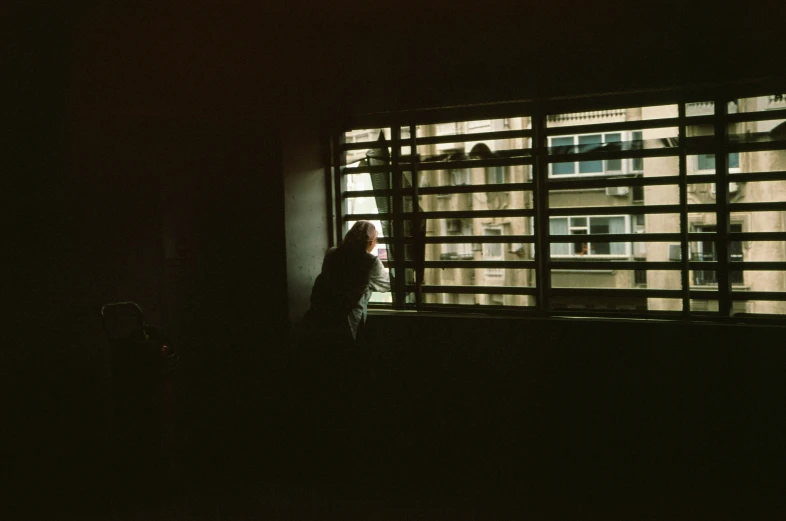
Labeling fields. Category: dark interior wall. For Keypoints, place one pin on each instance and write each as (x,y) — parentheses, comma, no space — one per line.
(304,158)
(577,417)
(132,175)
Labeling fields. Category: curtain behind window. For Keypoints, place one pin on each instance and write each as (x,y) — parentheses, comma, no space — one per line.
(380,156)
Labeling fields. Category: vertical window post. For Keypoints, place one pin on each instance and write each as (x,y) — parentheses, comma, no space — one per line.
(683,188)
(722,200)
(540,174)
(398,223)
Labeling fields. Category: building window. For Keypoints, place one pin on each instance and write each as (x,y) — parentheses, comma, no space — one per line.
(453,251)
(706,251)
(592,225)
(495,175)
(707,161)
(492,251)
(583,144)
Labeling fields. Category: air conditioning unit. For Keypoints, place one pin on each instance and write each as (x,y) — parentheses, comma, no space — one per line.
(617,190)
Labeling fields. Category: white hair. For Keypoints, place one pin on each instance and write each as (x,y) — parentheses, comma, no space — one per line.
(360,234)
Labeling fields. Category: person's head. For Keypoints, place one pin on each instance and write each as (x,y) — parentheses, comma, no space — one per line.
(362,237)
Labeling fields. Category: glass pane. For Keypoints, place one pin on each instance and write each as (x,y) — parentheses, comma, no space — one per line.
(471,299)
(761,251)
(605,304)
(366,134)
(360,182)
(476,226)
(506,251)
(761,221)
(700,108)
(625,279)
(474,176)
(515,200)
(590,144)
(607,116)
(514,277)
(757,131)
(770,281)
(762,161)
(760,306)
(562,145)
(474,126)
(704,305)
(612,196)
(759,103)
(471,150)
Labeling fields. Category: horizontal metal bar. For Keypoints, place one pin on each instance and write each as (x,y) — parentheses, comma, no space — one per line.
(377,193)
(472,163)
(465,239)
(753,177)
(368,217)
(757,207)
(756,266)
(757,236)
(615,314)
(370,145)
(481,310)
(480,136)
(481,239)
(616,237)
(480,290)
(764,146)
(643,124)
(616,292)
(349,170)
(757,295)
(627,210)
(613,265)
(475,264)
(613,154)
(704,265)
(471,189)
(764,115)
(469,214)
(556,182)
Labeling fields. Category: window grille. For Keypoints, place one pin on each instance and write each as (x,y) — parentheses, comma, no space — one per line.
(620,172)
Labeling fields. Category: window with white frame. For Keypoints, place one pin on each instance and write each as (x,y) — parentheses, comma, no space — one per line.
(492,251)
(589,225)
(582,144)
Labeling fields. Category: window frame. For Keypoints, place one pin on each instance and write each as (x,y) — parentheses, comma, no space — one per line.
(589,254)
(539,162)
(626,165)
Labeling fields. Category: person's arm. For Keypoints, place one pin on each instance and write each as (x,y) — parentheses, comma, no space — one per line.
(379,280)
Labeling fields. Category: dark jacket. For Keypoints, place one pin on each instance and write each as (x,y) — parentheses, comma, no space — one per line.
(339,298)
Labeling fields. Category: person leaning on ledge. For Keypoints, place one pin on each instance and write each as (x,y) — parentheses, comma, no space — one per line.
(339,298)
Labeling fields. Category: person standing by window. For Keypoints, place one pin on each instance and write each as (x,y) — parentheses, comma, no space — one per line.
(339,298)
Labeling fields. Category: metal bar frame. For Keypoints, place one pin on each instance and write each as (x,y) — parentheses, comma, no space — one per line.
(542,185)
